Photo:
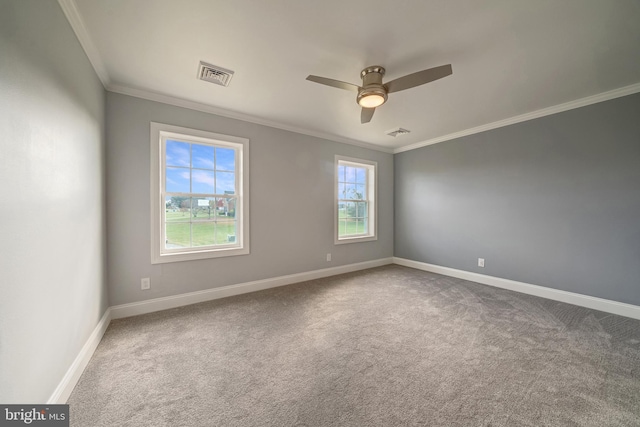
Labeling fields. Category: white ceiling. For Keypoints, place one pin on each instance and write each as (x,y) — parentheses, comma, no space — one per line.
(509,58)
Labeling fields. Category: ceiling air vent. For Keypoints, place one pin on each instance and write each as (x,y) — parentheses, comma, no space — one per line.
(397,132)
(214,74)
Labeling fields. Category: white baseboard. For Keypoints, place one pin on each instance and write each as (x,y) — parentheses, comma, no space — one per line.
(601,304)
(71,377)
(157,304)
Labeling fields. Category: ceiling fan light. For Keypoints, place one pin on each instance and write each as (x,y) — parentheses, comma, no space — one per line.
(371,101)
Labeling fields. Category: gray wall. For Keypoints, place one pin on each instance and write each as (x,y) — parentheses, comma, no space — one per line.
(291,186)
(52,286)
(553,201)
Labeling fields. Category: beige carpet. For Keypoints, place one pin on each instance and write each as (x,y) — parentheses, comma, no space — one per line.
(391,346)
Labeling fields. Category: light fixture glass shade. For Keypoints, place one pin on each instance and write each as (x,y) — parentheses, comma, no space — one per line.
(371,101)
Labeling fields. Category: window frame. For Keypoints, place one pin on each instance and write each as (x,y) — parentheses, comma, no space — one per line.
(372,196)
(159,132)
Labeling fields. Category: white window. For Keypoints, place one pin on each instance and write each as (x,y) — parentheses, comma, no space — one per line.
(355,210)
(200,194)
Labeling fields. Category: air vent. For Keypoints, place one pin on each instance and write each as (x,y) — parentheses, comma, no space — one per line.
(397,132)
(214,74)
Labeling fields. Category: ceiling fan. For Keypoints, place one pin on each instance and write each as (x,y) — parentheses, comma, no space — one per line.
(373,93)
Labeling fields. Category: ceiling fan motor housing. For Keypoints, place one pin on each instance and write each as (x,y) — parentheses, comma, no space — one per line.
(372,83)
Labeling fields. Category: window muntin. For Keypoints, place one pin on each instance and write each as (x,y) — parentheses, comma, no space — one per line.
(200,195)
(355,200)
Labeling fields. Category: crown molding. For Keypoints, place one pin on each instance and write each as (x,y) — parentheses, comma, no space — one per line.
(75,20)
(192,105)
(583,102)
(70,10)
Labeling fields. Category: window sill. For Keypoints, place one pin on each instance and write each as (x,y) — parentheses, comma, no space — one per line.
(355,239)
(196,255)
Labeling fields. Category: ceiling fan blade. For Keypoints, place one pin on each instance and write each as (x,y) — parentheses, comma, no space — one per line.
(366,115)
(333,83)
(419,78)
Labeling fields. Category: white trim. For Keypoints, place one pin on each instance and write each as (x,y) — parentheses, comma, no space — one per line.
(372,199)
(73,374)
(595,303)
(583,102)
(197,106)
(75,20)
(71,377)
(70,10)
(158,304)
(158,132)
(192,105)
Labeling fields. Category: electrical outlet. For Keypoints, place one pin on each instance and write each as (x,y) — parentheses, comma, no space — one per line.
(145,283)
(328,257)
(480,262)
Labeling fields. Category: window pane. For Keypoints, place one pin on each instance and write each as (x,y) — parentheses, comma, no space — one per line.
(225,183)
(203,208)
(341,191)
(361,209)
(177,208)
(350,226)
(361,175)
(361,192)
(225,159)
(177,180)
(177,153)
(350,209)
(350,191)
(222,207)
(342,227)
(203,233)
(225,231)
(202,156)
(177,235)
(350,174)
(231,206)
(341,173)
(359,227)
(202,181)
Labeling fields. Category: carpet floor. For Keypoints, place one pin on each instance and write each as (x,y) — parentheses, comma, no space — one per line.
(390,346)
